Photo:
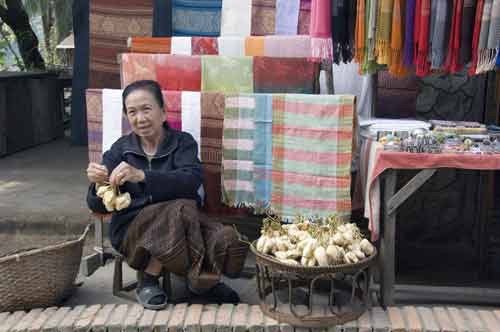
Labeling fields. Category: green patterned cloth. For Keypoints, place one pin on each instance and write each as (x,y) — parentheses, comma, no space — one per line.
(227,74)
(312,142)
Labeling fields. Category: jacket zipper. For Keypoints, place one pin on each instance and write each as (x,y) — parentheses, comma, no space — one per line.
(150,198)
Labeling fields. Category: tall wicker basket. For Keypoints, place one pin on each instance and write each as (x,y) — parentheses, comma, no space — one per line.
(40,277)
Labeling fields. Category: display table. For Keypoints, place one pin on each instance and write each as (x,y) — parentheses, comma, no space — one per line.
(382,202)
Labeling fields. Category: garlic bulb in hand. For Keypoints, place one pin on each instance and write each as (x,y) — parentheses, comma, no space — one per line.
(122,201)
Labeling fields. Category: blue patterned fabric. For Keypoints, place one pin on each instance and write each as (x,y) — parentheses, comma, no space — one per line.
(262,154)
(196,17)
(162,18)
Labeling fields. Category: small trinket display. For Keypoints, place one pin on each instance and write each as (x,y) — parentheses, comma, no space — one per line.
(446,137)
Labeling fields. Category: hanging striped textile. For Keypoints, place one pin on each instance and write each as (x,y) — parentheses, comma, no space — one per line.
(173,108)
(312,142)
(262,153)
(238,188)
(94,124)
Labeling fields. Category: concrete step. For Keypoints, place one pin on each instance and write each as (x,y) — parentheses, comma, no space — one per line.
(229,318)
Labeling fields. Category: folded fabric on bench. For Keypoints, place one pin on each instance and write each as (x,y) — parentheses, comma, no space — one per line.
(298,46)
(209,73)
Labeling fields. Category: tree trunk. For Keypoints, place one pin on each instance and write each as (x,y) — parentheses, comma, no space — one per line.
(16,18)
(48,23)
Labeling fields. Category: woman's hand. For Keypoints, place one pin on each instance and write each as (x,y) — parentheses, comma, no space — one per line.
(97,173)
(124,172)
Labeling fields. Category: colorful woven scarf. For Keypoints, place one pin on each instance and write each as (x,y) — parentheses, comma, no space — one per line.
(254,46)
(227,74)
(137,66)
(369,65)
(287,46)
(196,17)
(468,14)
(409,33)
(312,142)
(263,17)
(422,43)
(149,44)
(494,36)
(452,63)
(287,17)
(396,67)
(304,17)
(475,37)
(173,108)
(440,31)
(372,28)
(360,39)
(383,33)
(204,46)
(342,15)
(238,145)
(93,99)
(262,153)
(285,75)
(321,29)
(162,18)
(482,48)
(178,72)
(236,18)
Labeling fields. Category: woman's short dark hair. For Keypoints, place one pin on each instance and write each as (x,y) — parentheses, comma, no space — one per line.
(147,85)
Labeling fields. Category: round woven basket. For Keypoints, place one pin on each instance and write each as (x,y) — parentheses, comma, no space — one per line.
(275,264)
(40,277)
(273,275)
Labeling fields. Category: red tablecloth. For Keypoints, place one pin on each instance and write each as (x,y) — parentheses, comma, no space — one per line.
(404,160)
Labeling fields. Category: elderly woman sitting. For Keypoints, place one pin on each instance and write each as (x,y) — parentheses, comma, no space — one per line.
(162,227)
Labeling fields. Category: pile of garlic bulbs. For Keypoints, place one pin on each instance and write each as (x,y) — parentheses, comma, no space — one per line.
(322,242)
(112,198)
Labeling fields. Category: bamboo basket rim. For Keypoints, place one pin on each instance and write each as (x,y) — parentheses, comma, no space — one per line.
(316,269)
(49,248)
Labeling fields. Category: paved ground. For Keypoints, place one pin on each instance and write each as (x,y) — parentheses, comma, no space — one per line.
(42,190)
(241,318)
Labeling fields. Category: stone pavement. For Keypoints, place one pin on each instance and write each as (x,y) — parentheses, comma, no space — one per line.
(240,318)
(42,189)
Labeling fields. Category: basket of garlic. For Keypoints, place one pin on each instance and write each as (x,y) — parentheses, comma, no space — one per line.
(306,254)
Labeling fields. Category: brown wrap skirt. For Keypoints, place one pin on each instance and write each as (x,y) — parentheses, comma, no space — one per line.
(185,242)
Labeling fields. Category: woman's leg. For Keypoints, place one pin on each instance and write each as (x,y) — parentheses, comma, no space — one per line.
(154,267)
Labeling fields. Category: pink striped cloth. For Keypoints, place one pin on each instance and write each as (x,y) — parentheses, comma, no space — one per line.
(321,29)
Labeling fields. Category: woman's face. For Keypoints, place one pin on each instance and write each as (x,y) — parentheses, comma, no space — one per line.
(144,114)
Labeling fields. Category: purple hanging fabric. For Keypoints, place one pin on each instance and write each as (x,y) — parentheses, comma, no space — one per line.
(409,25)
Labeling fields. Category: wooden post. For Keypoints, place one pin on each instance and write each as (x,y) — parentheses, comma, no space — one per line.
(387,243)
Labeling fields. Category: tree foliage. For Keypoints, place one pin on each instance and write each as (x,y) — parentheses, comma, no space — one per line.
(56,24)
